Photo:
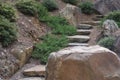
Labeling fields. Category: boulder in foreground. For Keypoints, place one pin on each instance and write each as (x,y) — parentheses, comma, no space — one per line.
(83,63)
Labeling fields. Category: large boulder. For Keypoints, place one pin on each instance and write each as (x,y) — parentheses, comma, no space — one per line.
(106,6)
(109,27)
(70,12)
(83,63)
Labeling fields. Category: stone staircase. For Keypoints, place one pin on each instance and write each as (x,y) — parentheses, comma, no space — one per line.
(84,30)
(97,17)
(82,36)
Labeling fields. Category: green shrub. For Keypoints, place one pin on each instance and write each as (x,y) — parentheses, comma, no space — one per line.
(7,11)
(107,42)
(61,26)
(43,14)
(50,44)
(7,32)
(74,2)
(50,5)
(113,16)
(86,8)
(33,8)
(27,7)
(54,20)
(64,30)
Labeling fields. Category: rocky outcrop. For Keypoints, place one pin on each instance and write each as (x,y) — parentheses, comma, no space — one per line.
(106,6)
(13,59)
(70,12)
(8,64)
(83,63)
(22,53)
(109,27)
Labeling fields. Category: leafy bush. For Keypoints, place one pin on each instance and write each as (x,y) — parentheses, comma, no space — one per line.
(86,7)
(7,11)
(7,32)
(64,30)
(32,8)
(50,44)
(27,7)
(43,14)
(114,16)
(107,42)
(54,20)
(50,5)
(74,2)
(61,26)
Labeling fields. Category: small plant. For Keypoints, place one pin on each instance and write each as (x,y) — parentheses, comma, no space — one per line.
(7,32)
(107,42)
(74,2)
(28,7)
(7,11)
(50,44)
(50,5)
(113,16)
(86,8)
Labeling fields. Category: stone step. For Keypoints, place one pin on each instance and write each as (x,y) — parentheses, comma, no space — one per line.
(94,23)
(78,38)
(96,19)
(38,71)
(32,78)
(84,26)
(77,44)
(83,32)
(99,16)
